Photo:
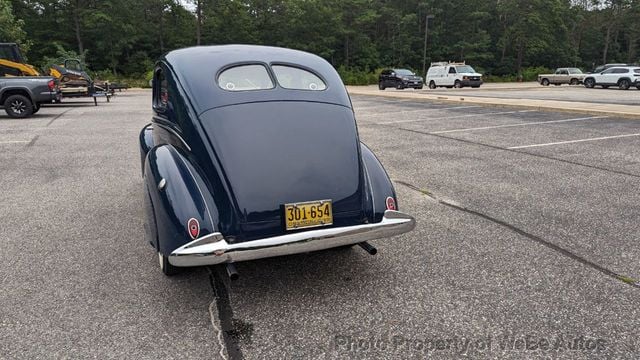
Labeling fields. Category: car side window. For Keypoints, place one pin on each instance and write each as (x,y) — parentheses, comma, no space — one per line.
(608,71)
(290,77)
(160,91)
(245,78)
(564,72)
(637,71)
(620,71)
(452,70)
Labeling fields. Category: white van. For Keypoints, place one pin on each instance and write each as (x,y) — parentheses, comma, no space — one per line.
(452,75)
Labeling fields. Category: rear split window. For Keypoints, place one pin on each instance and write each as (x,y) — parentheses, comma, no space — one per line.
(244,78)
(290,77)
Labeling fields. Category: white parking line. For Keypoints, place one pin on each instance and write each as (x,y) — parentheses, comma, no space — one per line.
(455,117)
(15,142)
(522,124)
(415,110)
(573,141)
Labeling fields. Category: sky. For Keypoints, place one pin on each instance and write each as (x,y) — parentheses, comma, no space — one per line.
(188,4)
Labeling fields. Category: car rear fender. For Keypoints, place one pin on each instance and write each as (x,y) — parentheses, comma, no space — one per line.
(378,184)
(178,198)
(146,144)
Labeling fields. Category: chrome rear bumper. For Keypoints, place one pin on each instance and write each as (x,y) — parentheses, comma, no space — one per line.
(213,248)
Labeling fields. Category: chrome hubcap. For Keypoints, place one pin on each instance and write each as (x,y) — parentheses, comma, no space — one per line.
(18,107)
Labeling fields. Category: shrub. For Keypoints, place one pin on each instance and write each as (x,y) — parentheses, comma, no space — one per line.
(531,73)
(357,77)
(499,78)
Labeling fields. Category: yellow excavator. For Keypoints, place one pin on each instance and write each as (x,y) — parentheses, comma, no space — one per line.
(73,80)
(12,63)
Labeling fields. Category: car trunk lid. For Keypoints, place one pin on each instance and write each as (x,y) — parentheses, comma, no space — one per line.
(274,153)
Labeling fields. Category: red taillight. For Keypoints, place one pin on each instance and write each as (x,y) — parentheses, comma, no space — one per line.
(51,84)
(194,228)
(391,203)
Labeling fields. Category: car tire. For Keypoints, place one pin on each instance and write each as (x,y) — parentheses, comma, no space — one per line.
(589,83)
(624,84)
(36,108)
(166,267)
(545,82)
(475,87)
(420,87)
(432,85)
(381,86)
(18,106)
(638,87)
(457,84)
(400,87)
(574,82)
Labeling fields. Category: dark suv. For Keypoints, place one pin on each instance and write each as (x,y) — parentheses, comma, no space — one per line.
(399,79)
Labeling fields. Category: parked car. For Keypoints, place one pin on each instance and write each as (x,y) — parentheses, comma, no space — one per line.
(571,76)
(452,75)
(22,96)
(399,79)
(621,76)
(254,152)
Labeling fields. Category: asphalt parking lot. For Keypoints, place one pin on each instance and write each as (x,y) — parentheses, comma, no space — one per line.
(529,90)
(526,246)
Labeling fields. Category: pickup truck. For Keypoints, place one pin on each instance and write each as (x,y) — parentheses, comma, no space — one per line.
(571,76)
(21,96)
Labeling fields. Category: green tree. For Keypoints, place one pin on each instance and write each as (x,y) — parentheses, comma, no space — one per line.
(357,36)
(11,28)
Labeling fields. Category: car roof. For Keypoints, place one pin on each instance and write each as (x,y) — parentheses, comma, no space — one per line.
(623,67)
(197,69)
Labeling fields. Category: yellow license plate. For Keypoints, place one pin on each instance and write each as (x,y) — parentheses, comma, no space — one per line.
(308,214)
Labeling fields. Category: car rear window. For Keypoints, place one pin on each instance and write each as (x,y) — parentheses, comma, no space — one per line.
(244,78)
(290,77)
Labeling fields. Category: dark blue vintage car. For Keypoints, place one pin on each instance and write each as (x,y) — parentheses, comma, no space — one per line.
(254,152)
